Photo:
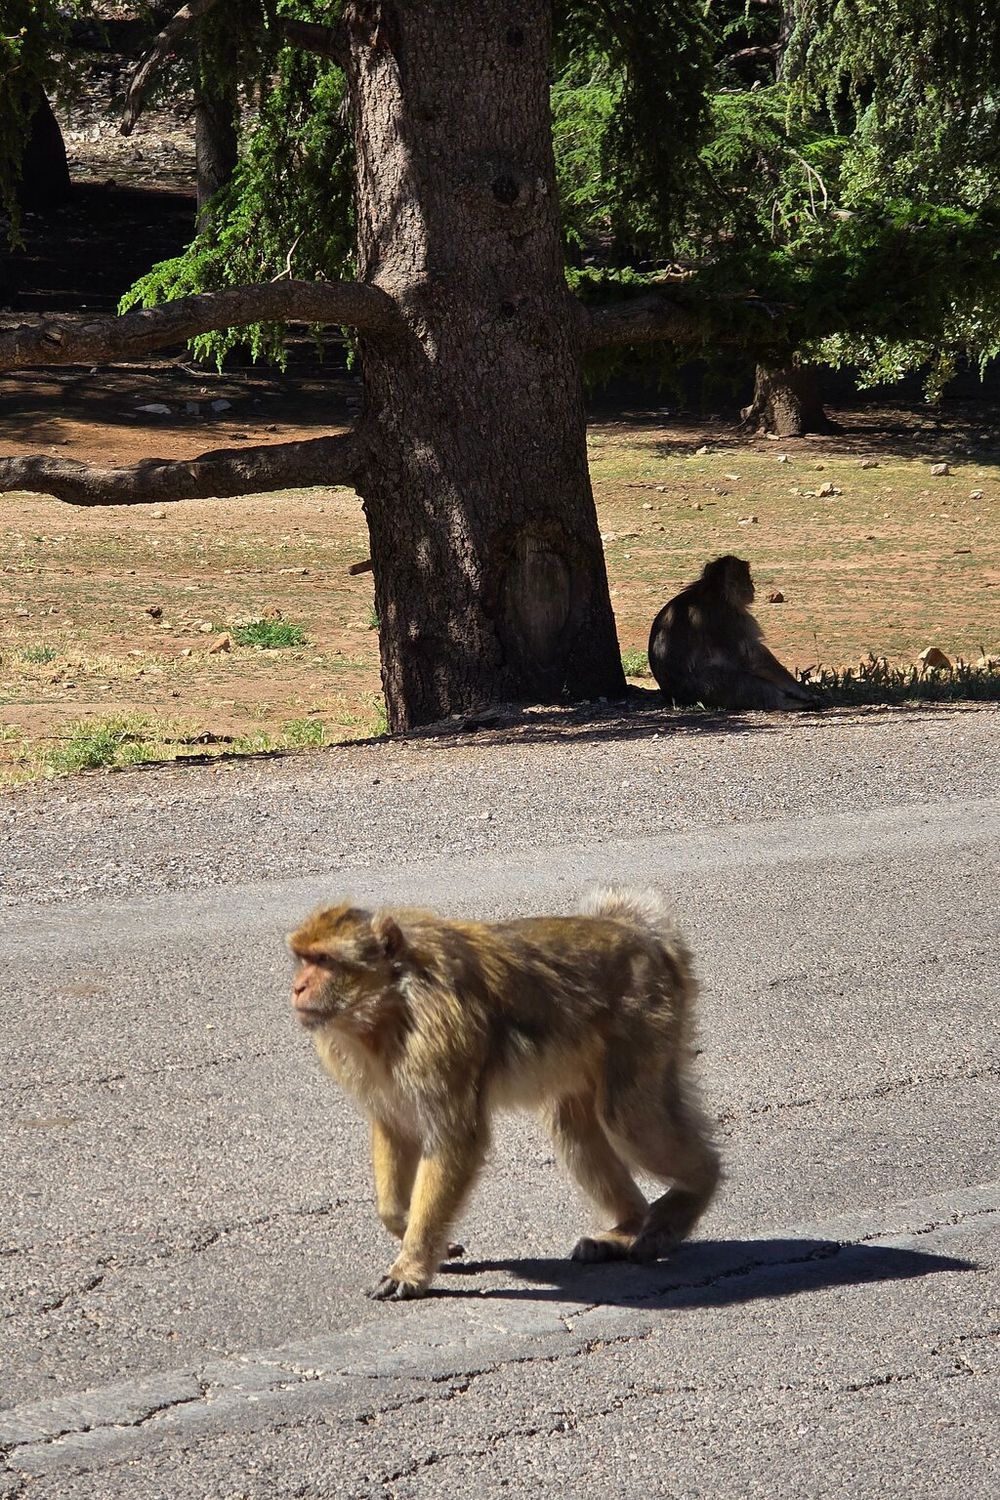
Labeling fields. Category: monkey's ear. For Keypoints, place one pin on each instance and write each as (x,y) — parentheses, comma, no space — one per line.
(389,936)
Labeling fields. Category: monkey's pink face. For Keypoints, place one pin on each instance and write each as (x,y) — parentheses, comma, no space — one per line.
(316,994)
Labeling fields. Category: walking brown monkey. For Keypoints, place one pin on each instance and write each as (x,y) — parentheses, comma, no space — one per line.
(706,647)
(434,1024)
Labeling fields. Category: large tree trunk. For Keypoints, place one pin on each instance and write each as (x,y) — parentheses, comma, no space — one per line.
(44,182)
(489,572)
(787,401)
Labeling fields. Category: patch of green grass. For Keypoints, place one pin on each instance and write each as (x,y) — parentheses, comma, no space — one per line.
(269,635)
(92,743)
(876,681)
(252,744)
(38,655)
(376,724)
(635,664)
(305,732)
(373,618)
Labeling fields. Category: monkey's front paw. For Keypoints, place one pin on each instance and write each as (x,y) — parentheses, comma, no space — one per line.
(391,1290)
(596,1248)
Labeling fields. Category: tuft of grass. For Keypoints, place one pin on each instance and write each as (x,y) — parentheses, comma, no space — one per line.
(877,681)
(373,622)
(635,664)
(116,741)
(305,732)
(376,724)
(38,655)
(269,635)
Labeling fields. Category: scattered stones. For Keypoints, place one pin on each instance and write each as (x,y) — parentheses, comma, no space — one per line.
(782,458)
(271,613)
(646,505)
(868,463)
(990,662)
(776,598)
(661,489)
(220,405)
(186,651)
(221,643)
(733,477)
(191,409)
(155,409)
(748,520)
(205,627)
(826,490)
(159,515)
(23,614)
(932,659)
(939,470)
(702,451)
(155,611)
(975,494)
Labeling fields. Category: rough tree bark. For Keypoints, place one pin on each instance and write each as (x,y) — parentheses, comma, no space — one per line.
(787,401)
(489,571)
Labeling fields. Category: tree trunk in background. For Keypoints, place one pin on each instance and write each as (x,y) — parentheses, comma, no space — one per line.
(490,581)
(787,401)
(216,132)
(45,181)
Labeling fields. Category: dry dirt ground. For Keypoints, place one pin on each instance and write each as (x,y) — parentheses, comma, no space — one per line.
(892,560)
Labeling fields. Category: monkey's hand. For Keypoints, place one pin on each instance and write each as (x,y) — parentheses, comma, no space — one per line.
(391,1290)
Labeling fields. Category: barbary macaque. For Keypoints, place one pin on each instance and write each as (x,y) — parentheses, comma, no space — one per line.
(706,647)
(434,1024)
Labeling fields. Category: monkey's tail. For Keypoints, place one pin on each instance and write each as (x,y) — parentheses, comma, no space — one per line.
(642,906)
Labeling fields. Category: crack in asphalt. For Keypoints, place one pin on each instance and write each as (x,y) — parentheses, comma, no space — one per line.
(883,1090)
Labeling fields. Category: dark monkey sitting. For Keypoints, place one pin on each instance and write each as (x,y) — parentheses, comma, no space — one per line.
(433,1025)
(706,647)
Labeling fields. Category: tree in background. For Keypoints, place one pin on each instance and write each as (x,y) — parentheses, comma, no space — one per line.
(715,179)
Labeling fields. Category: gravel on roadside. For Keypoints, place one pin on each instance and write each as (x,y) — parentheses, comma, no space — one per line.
(526,779)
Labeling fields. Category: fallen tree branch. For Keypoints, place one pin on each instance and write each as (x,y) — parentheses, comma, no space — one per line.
(223,472)
(163,44)
(656,316)
(74,341)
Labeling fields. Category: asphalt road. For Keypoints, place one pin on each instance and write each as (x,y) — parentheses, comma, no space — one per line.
(187,1226)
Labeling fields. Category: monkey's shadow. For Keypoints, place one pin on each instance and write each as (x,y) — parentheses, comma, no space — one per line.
(703,1273)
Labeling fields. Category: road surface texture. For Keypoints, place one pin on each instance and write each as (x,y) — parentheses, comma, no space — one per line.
(187,1224)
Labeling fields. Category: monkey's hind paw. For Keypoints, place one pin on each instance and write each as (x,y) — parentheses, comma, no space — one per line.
(391,1290)
(650,1247)
(593,1249)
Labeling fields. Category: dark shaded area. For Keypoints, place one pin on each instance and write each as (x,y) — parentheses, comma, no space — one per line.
(704,1273)
(85,253)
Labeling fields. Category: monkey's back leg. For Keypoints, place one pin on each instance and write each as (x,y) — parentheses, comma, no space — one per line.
(587,1153)
(653,1117)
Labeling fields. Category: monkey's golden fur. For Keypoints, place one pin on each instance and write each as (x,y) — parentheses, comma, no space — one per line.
(706,647)
(433,1024)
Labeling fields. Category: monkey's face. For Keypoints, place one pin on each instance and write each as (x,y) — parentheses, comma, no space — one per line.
(348,966)
(318,993)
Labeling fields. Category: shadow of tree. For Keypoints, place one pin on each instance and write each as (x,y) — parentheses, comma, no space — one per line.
(705,1273)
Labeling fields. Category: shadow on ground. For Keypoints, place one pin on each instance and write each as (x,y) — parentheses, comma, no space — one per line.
(705,1273)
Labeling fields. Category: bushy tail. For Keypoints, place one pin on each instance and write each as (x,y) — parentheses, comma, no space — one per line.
(642,906)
